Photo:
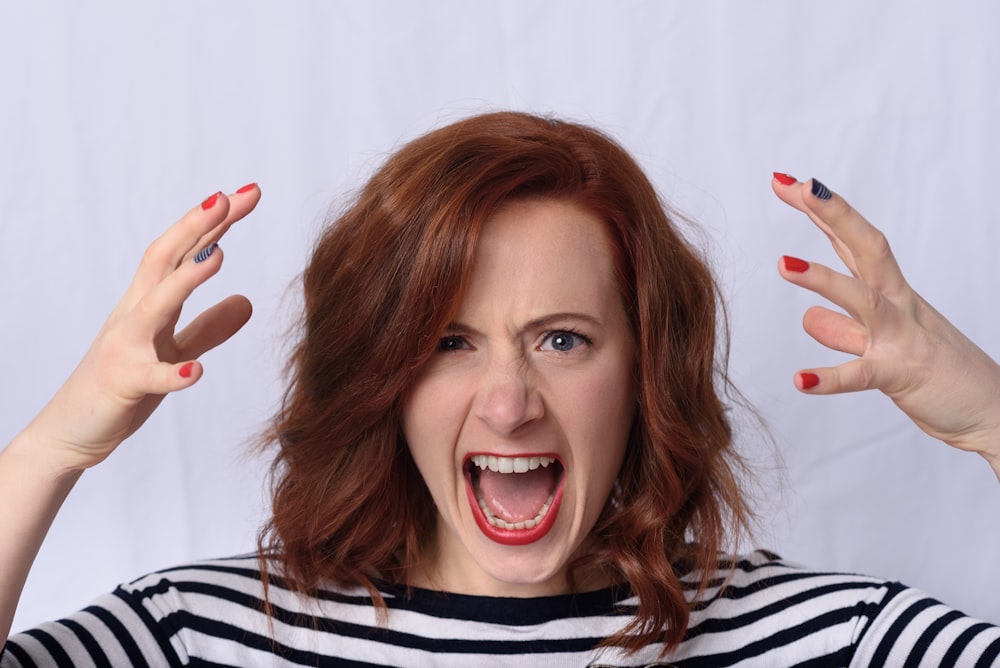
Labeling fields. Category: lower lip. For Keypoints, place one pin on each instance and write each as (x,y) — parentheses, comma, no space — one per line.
(515,536)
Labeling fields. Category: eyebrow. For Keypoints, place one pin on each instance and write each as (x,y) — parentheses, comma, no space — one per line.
(538,323)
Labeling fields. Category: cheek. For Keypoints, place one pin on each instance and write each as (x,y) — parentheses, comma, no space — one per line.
(608,401)
(598,414)
(432,418)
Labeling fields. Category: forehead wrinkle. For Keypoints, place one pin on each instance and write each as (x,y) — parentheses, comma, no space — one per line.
(538,290)
(536,259)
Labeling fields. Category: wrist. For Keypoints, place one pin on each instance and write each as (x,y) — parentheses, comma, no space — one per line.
(45,456)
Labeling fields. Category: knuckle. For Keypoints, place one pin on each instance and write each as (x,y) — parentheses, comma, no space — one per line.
(865,376)
(840,207)
(879,244)
(146,306)
(154,255)
(872,299)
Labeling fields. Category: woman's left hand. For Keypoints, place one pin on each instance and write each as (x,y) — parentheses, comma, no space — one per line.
(945,383)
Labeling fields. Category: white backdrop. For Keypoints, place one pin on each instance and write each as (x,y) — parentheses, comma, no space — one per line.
(117,116)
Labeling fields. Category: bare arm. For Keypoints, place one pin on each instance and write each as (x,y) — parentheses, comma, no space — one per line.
(136,359)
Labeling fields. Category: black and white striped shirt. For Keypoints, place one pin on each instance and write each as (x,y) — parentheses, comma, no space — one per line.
(771,613)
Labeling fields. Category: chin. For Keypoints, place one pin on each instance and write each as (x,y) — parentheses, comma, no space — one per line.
(522,576)
(536,568)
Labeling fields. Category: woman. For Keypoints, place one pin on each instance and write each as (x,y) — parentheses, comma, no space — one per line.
(504,438)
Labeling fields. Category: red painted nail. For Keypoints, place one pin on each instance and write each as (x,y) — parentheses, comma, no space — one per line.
(247,188)
(210,201)
(794,264)
(784,179)
(185,371)
(809,380)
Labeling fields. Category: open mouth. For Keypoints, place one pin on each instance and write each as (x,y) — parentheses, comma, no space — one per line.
(514,500)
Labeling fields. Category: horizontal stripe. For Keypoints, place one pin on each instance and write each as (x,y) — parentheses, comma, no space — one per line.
(763,611)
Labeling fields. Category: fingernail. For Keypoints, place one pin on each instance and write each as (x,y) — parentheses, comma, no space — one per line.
(185,371)
(247,188)
(784,179)
(820,191)
(210,201)
(809,380)
(205,252)
(794,264)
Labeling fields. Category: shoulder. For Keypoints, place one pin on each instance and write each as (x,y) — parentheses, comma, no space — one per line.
(765,576)
(756,593)
(782,613)
(240,611)
(764,571)
(156,619)
(242,573)
(242,589)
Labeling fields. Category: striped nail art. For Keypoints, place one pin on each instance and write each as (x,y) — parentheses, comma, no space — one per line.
(821,191)
(205,252)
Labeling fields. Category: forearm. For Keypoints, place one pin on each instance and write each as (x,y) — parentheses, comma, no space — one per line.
(32,490)
(136,360)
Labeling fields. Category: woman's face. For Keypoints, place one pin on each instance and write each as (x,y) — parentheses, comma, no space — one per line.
(520,421)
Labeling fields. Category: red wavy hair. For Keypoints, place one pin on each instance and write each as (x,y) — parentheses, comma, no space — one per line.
(386,278)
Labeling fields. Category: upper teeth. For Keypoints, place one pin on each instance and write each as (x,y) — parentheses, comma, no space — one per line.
(510,464)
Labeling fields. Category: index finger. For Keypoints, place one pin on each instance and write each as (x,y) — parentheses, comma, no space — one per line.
(198,228)
(863,247)
(241,203)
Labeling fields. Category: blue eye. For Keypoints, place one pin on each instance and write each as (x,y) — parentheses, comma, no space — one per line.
(450,343)
(563,341)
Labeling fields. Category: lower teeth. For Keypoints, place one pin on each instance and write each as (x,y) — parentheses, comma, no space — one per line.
(504,524)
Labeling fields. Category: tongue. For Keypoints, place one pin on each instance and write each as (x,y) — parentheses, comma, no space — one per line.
(517,497)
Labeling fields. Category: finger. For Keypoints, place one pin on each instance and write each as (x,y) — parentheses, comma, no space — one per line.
(792,192)
(165,253)
(144,381)
(866,245)
(213,327)
(853,376)
(851,294)
(164,377)
(227,209)
(159,308)
(835,330)
(241,203)
(203,225)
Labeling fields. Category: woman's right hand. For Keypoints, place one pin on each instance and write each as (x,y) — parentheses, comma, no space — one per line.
(137,357)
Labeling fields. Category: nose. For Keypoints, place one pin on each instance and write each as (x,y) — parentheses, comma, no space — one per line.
(508,398)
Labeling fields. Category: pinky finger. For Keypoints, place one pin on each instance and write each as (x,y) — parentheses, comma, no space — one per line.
(189,371)
(853,376)
(807,381)
(165,378)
